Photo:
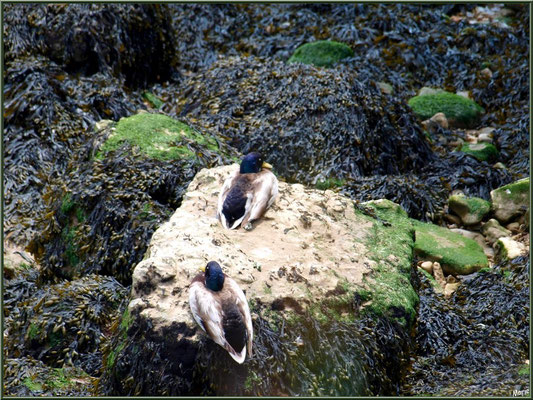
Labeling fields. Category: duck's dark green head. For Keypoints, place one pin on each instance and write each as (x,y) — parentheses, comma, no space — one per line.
(252,163)
(214,277)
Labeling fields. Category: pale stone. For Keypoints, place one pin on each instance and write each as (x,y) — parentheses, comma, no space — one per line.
(439,275)
(427,266)
(508,248)
(450,288)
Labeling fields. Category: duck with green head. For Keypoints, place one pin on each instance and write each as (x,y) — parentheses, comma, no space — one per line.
(248,193)
(220,308)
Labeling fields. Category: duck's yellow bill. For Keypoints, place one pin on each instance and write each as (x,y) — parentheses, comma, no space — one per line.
(202,268)
(266,165)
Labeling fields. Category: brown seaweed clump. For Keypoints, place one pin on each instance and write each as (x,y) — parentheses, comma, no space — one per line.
(311,123)
(67,67)
(481,334)
(63,324)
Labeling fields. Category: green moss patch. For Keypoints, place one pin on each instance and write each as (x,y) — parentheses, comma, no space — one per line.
(482,151)
(322,53)
(516,191)
(391,247)
(459,110)
(57,381)
(33,385)
(470,209)
(156,136)
(524,370)
(457,254)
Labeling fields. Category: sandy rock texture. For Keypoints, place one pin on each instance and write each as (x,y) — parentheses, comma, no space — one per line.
(307,244)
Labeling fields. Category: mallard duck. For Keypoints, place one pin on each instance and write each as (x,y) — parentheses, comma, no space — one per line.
(248,193)
(219,306)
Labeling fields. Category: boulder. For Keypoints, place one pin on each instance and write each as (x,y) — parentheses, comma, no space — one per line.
(457,255)
(507,248)
(492,230)
(483,151)
(322,53)
(470,209)
(310,256)
(510,201)
(460,111)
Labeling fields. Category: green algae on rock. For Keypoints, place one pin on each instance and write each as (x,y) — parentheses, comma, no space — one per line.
(458,110)
(510,201)
(471,210)
(156,136)
(322,53)
(457,254)
(391,247)
(482,151)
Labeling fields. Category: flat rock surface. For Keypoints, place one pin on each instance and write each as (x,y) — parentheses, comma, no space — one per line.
(307,243)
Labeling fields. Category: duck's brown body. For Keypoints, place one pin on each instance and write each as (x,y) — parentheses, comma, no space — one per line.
(224,315)
(244,198)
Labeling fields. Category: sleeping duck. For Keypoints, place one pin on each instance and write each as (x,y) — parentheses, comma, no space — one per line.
(247,194)
(220,308)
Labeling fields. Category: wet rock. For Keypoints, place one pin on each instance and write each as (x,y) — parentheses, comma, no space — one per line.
(458,255)
(438,119)
(482,151)
(485,138)
(270,265)
(452,219)
(429,91)
(507,248)
(322,53)
(514,227)
(451,279)
(492,230)
(471,210)
(510,201)
(385,87)
(458,110)
(464,93)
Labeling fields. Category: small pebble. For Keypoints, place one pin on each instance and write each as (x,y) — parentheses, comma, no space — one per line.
(513,227)
(427,266)
(486,73)
(485,138)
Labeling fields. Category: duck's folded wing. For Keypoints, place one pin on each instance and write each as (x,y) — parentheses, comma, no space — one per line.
(207,312)
(265,191)
(242,305)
